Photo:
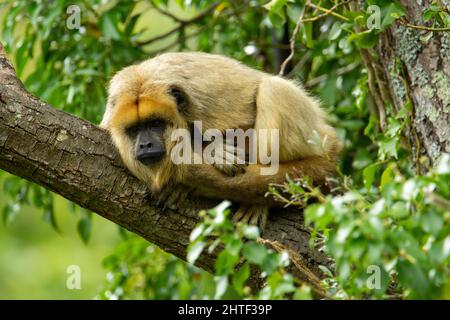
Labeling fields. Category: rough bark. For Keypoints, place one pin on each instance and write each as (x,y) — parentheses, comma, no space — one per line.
(418,70)
(76,159)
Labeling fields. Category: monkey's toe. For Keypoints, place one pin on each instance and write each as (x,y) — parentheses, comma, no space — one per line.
(231,170)
(253,215)
(173,197)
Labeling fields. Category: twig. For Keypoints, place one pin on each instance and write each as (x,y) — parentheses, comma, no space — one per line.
(182,24)
(292,40)
(169,14)
(327,12)
(309,277)
(180,39)
(409,25)
(339,72)
(301,63)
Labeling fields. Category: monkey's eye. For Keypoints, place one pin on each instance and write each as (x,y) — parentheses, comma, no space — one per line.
(133,130)
(180,97)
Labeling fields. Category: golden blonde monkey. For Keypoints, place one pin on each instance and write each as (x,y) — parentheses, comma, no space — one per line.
(148,101)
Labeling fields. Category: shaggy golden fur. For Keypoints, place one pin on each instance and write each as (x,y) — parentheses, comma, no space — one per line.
(223,94)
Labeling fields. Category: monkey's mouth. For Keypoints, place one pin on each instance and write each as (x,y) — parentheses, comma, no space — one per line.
(150,158)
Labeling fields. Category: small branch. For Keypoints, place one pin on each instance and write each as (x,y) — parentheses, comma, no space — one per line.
(293,38)
(327,12)
(339,72)
(180,39)
(169,14)
(302,269)
(305,58)
(409,25)
(301,19)
(182,24)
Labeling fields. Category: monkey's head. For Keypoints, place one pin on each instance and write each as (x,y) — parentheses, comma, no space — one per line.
(141,114)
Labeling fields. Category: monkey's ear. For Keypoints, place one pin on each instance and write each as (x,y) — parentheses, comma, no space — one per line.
(180,97)
(104,124)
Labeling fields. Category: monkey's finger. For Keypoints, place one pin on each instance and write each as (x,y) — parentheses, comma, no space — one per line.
(263,221)
(165,193)
(246,218)
(258,214)
(254,218)
(162,202)
(177,197)
(237,217)
(184,195)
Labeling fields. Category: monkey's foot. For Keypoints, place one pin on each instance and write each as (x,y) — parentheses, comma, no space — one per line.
(229,163)
(252,214)
(173,197)
(230,169)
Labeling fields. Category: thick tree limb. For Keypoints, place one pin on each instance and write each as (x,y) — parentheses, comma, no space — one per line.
(76,159)
(410,68)
(418,73)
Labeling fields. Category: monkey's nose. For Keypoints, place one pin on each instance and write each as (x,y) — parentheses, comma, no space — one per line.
(148,153)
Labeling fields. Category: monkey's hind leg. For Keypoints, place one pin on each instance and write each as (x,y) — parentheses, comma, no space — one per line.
(252,214)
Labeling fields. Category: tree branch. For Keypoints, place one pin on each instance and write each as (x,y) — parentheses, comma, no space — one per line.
(182,24)
(76,159)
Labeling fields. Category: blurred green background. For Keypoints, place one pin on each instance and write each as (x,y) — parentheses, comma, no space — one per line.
(42,234)
(34,257)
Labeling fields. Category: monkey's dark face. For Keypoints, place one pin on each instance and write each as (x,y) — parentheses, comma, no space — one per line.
(148,137)
(141,124)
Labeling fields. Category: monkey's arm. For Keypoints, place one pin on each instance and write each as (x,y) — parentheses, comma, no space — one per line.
(250,187)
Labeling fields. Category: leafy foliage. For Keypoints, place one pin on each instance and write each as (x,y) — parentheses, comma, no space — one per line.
(401,226)
(137,270)
(384,214)
(241,253)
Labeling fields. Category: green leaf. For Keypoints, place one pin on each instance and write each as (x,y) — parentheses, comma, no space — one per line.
(221,286)
(430,13)
(362,159)
(399,210)
(335,31)
(241,277)
(251,232)
(412,276)
(84,228)
(369,175)
(108,24)
(270,263)
(276,12)
(254,252)
(443,165)
(388,148)
(352,125)
(49,217)
(387,176)
(432,222)
(196,233)
(394,11)
(226,262)
(194,251)
(366,39)
(307,34)
(276,6)
(10,211)
(303,293)
(425,38)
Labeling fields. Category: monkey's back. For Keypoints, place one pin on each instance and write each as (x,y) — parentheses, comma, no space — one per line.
(223,90)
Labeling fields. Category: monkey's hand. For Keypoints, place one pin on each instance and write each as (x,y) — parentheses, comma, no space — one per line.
(173,197)
(252,214)
(231,162)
